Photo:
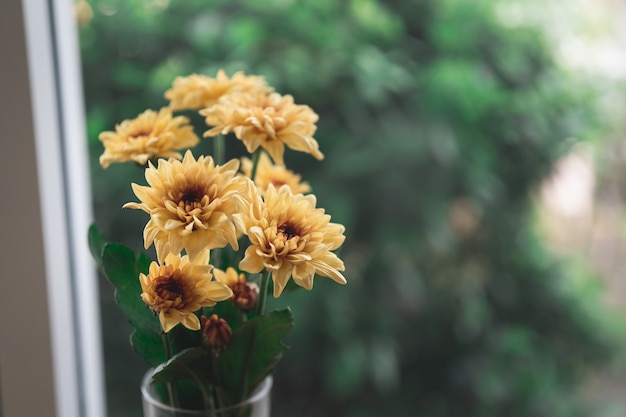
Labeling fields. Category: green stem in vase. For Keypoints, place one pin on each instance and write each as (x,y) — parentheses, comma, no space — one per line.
(218,402)
(263,285)
(207,398)
(168,354)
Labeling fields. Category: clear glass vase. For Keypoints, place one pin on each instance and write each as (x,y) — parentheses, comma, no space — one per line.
(257,405)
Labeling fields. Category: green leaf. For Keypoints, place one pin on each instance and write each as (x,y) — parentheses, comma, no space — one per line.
(254,350)
(119,264)
(96,244)
(181,338)
(142,265)
(149,346)
(122,269)
(184,365)
(191,372)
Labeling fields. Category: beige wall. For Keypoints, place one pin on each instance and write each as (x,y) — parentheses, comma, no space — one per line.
(26,378)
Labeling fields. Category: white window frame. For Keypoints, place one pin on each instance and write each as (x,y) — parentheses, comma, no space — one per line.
(50,343)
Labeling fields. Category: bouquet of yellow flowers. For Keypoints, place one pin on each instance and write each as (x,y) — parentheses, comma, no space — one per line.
(225,234)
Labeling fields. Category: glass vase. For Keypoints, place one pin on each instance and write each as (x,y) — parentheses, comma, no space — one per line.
(257,405)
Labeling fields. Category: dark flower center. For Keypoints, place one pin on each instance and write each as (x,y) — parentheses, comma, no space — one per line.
(192,195)
(169,287)
(140,132)
(289,230)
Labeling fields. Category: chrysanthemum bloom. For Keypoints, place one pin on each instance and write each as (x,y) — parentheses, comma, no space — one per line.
(178,288)
(150,135)
(199,91)
(277,175)
(290,237)
(270,121)
(217,332)
(191,204)
(245,294)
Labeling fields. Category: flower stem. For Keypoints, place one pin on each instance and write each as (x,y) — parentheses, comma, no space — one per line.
(263,285)
(255,162)
(168,355)
(207,398)
(217,398)
(219,149)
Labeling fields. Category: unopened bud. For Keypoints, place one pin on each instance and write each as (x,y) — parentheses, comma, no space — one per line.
(245,295)
(217,332)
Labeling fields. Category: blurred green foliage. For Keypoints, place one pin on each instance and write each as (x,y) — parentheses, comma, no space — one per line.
(437,120)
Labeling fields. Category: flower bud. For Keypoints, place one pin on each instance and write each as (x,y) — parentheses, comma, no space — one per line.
(217,332)
(245,295)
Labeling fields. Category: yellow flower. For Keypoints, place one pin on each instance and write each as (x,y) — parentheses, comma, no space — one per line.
(198,91)
(268,173)
(178,288)
(270,121)
(191,204)
(229,277)
(290,237)
(245,294)
(150,135)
